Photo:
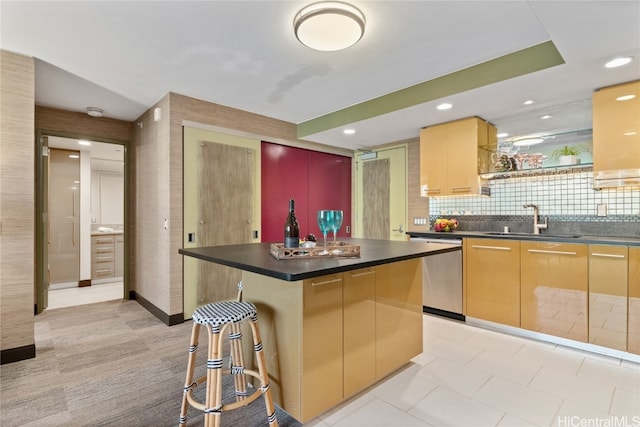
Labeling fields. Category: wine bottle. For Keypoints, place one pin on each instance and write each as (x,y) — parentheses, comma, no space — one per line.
(291,229)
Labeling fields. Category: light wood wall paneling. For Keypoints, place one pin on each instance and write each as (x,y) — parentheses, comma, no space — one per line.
(16,201)
(417,207)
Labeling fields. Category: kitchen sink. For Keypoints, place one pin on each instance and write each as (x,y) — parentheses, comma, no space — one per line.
(557,236)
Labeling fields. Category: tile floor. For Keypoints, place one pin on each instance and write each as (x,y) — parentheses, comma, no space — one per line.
(69,297)
(468,376)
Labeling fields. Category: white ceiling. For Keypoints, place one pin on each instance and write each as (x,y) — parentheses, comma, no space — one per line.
(123,56)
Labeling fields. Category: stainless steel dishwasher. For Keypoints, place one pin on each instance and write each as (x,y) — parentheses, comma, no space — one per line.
(442,280)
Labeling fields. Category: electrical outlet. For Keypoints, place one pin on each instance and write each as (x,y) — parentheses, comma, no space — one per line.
(602,210)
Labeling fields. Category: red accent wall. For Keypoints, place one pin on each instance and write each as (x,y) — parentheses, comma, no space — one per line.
(314,179)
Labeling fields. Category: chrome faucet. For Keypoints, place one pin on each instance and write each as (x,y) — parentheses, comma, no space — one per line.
(536,226)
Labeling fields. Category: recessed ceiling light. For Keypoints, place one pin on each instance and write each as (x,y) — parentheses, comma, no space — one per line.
(619,62)
(528,102)
(444,106)
(329,25)
(349,131)
(625,97)
(545,117)
(502,135)
(83,142)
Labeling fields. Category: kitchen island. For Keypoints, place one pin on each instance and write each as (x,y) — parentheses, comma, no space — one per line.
(331,327)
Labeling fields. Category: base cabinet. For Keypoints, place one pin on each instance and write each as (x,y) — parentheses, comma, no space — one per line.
(633,332)
(608,295)
(359,315)
(322,344)
(554,285)
(493,280)
(398,315)
(329,337)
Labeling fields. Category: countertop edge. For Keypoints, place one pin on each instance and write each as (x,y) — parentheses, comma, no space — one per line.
(292,277)
(596,240)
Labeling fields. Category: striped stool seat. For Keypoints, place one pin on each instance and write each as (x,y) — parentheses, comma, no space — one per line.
(217,317)
(221,313)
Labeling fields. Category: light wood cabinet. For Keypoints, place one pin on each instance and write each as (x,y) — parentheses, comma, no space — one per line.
(608,271)
(616,135)
(450,156)
(359,304)
(553,289)
(633,332)
(493,280)
(330,337)
(102,256)
(322,340)
(398,314)
(119,255)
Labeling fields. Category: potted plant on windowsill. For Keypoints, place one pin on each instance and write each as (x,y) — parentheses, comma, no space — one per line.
(568,155)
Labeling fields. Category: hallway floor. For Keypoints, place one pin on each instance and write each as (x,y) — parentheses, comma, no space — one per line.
(69,297)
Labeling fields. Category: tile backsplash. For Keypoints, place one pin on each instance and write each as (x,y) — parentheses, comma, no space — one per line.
(569,193)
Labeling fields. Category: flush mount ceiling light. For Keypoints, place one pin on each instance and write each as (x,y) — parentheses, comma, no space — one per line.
(329,25)
(94,111)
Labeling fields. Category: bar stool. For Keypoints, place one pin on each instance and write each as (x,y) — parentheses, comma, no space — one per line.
(217,317)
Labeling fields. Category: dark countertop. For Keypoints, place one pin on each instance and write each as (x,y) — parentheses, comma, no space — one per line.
(255,257)
(594,240)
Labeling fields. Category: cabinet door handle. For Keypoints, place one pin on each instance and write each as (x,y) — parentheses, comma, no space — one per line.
(325,282)
(541,251)
(434,190)
(496,248)
(607,255)
(364,273)
(460,189)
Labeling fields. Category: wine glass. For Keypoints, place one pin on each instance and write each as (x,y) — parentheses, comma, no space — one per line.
(325,219)
(336,223)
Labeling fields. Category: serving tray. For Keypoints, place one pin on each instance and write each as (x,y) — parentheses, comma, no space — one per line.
(332,250)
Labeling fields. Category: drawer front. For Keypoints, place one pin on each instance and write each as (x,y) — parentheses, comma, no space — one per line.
(103,258)
(106,269)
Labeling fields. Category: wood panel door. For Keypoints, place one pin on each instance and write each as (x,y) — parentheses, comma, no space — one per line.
(381,195)
(219,209)
(375,186)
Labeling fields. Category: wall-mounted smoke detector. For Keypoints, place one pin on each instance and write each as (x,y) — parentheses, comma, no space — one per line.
(94,111)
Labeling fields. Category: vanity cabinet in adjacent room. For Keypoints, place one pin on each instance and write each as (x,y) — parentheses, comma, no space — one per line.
(102,256)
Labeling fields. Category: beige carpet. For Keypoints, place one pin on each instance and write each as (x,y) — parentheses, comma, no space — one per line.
(105,364)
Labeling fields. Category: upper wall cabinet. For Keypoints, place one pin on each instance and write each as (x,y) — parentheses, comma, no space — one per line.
(616,136)
(450,158)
